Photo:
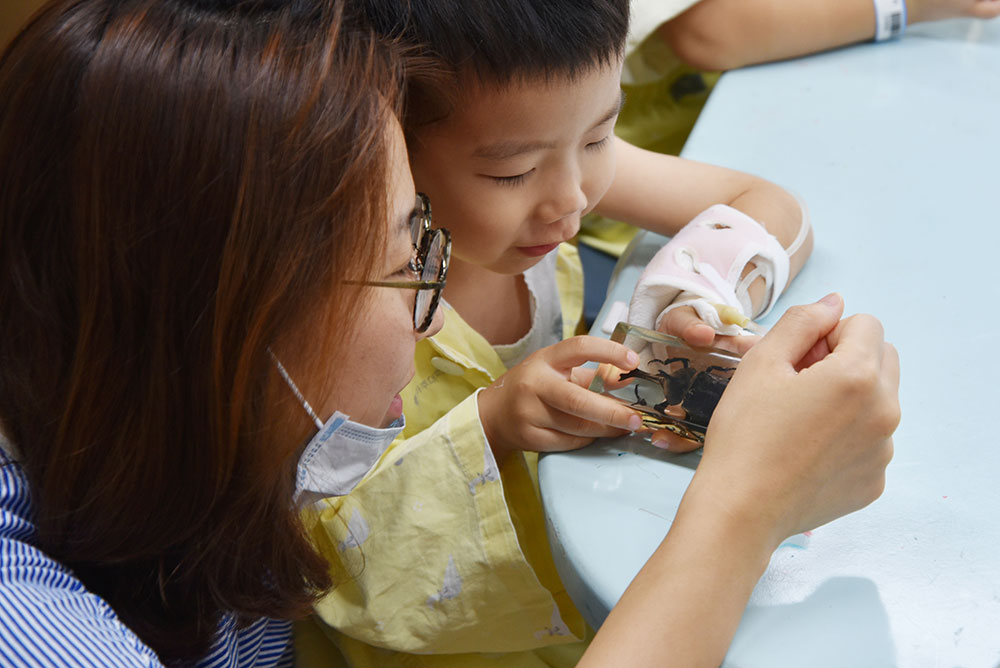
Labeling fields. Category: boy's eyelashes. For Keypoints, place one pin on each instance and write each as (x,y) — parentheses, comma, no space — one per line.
(515,180)
(598,145)
(518,179)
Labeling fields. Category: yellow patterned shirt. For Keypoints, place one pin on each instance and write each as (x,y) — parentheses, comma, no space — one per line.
(440,552)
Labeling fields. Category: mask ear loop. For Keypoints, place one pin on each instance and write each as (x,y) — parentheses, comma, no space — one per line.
(295,389)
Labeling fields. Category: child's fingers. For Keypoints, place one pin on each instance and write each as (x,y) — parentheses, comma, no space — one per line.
(668,440)
(582,375)
(553,440)
(579,350)
(737,344)
(578,402)
(611,376)
(684,322)
(572,425)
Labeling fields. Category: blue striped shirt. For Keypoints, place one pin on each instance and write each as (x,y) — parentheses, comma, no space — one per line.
(48,618)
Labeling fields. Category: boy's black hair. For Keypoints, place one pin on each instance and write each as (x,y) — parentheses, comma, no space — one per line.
(504,40)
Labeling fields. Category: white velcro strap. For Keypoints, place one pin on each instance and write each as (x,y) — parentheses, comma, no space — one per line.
(804,227)
(704,264)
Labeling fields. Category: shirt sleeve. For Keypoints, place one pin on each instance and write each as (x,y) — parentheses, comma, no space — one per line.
(648,15)
(441,546)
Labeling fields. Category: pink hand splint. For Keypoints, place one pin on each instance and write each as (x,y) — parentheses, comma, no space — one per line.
(703,265)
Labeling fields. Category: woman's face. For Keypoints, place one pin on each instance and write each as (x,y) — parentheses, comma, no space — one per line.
(378,362)
(379,359)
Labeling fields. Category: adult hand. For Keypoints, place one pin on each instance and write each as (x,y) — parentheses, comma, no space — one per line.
(668,440)
(802,434)
(541,404)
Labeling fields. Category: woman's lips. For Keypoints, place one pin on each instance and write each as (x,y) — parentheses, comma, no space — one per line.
(395,408)
(535,251)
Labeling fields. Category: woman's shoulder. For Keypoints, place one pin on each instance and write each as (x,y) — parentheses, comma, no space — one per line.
(48,616)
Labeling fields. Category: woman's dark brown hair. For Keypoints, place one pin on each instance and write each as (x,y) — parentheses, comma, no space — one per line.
(183,182)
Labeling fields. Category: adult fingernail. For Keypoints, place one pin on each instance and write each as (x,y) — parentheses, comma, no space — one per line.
(661,444)
(832,299)
(632,357)
(634,422)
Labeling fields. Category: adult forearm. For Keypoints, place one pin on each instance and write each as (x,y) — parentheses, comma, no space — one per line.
(683,607)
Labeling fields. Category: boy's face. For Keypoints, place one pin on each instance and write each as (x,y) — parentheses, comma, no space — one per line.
(511,170)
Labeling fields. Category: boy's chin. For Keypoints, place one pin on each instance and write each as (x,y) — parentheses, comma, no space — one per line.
(518,265)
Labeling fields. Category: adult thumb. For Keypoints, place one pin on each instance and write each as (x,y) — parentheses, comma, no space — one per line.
(801,328)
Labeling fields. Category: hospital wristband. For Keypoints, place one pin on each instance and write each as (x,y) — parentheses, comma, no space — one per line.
(890,19)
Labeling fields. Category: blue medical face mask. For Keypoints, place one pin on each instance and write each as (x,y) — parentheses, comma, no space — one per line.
(339,456)
(341,453)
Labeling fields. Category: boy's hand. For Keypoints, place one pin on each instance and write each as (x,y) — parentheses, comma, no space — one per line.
(684,323)
(540,404)
(934,10)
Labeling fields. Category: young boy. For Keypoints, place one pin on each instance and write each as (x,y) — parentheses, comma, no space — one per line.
(512,149)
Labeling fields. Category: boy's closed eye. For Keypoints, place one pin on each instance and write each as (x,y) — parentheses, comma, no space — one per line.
(600,143)
(517,179)
(511,181)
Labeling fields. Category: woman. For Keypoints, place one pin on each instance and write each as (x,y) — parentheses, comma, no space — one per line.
(195,194)
(187,186)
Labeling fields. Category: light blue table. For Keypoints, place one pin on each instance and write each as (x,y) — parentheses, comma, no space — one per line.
(896,149)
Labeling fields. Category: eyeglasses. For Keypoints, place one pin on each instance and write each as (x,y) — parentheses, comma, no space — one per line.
(420,223)
(431,252)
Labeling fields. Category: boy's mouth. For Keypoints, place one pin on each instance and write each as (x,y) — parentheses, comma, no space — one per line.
(535,251)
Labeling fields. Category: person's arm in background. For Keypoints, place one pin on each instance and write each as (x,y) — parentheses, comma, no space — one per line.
(726,34)
(777,462)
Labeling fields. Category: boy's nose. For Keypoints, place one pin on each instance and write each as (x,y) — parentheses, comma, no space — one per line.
(562,202)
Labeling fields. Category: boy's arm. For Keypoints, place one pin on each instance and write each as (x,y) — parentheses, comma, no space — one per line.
(726,34)
(662,193)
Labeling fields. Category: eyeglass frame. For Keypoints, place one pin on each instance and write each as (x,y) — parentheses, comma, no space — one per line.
(420,227)
(417,264)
